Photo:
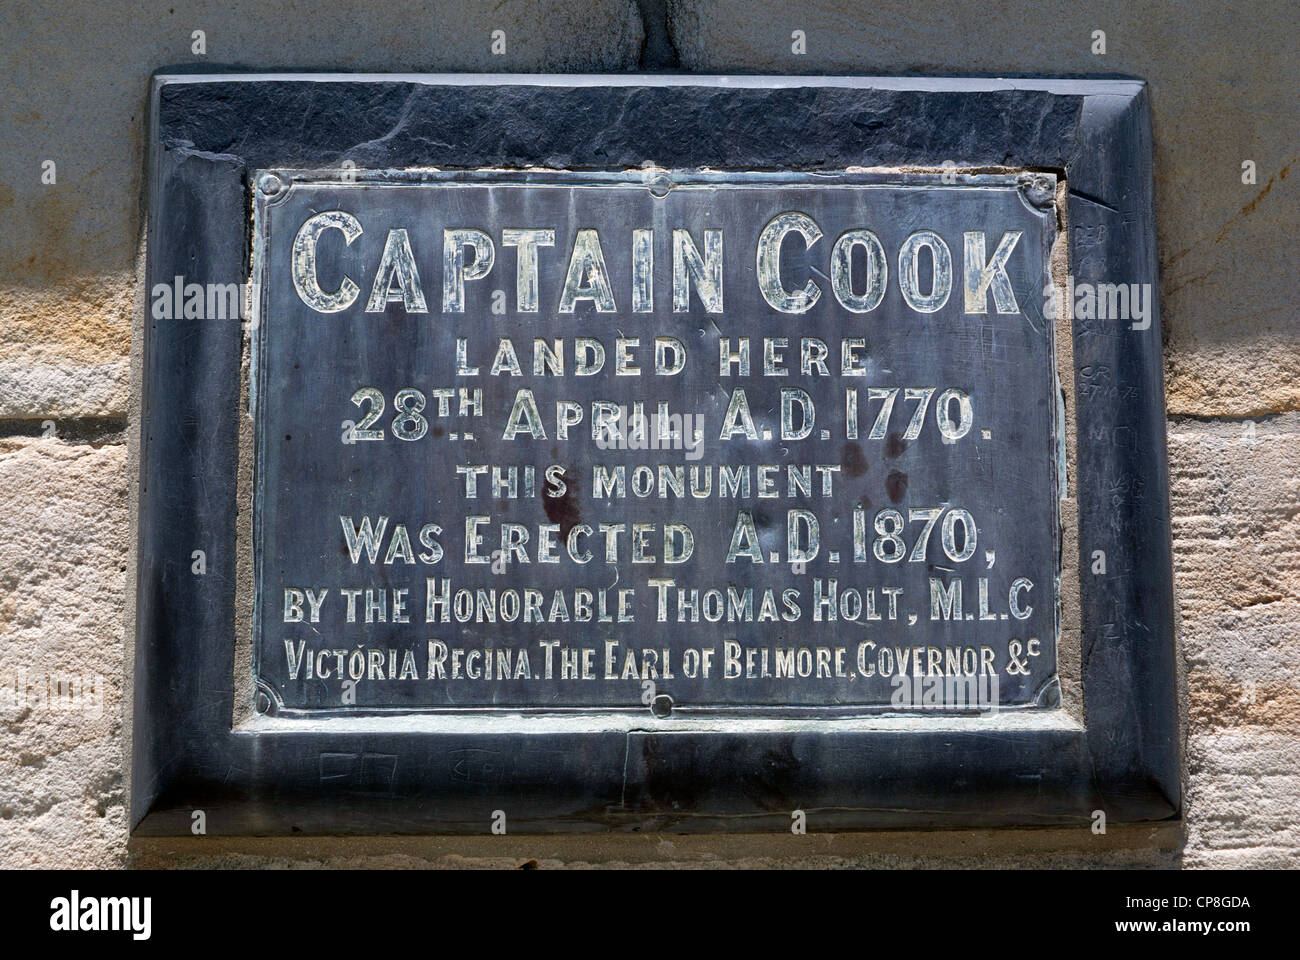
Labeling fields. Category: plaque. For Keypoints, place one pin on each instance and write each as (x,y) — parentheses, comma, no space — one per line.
(567,441)
(631,453)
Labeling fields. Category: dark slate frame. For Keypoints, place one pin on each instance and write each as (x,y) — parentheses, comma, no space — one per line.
(209,130)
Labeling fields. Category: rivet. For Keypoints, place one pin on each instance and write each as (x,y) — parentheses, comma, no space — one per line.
(269,184)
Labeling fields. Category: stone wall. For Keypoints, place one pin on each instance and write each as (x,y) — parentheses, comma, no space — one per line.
(1223,82)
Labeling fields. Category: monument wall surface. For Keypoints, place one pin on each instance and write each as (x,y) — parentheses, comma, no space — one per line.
(72,134)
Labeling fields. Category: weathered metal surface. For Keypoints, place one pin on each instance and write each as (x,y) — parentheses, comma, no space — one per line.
(740,441)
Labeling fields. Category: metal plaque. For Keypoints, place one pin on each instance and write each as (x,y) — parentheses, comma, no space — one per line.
(748,442)
(650,453)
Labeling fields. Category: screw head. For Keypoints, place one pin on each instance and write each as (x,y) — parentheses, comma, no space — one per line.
(269,184)
(1038,190)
